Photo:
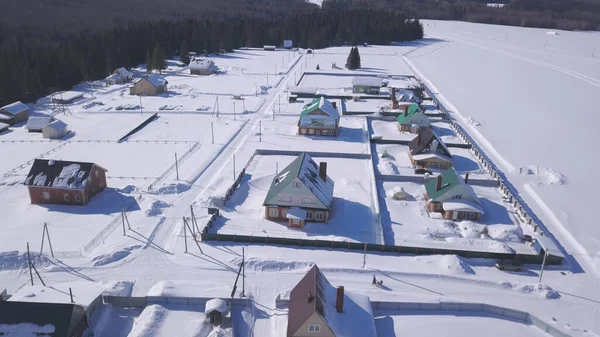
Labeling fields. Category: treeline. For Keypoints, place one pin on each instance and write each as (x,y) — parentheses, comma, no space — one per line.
(556,14)
(32,68)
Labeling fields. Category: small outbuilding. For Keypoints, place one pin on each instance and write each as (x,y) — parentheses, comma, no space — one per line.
(3,127)
(427,150)
(288,44)
(14,113)
(215,310)
(36,123)
(319,118)
(119,76)
(66,97)
(55,130)
(149,85)
(64,182)
(367,85)
(202,66)
(413,120)
(269,47)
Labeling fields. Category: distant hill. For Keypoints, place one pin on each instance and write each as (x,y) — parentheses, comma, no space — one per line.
(560,14)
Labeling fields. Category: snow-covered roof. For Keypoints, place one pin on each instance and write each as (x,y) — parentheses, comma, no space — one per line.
(156,80)
(425,156)
(368,81)
(322,104)
(123,73)
(296,213)
(462,205)
(4,117)
(37,123)
(57,125)
(59,174)
(407,96)
(3,126)
(14,108)
(202,63)
(303,90)
(216,304)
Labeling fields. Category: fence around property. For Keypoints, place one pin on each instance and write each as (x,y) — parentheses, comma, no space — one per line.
(139,127)
(180,161)
(142,302)
(421,179)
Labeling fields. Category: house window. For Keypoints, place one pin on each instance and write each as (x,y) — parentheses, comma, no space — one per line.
(458,196)
(295,221)
(314,328)
(307,201)
(46,195)
(311,131)
(273,212)
(309,215)
(303,131)
(319,216)
(77,198)
(296,184)
(284,212)
(67,197)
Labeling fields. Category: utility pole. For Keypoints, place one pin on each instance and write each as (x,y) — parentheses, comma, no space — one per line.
(545,43)
(243,273)
(185,235)
(543,265)
(212,133)
(255,89)
(141,111)
(46,233)
(234,111)
(234,166)
(123,220)
(267,78)
(277,168)
(176,166)
(260,131)
(593,50)
(365,252)
(29,262)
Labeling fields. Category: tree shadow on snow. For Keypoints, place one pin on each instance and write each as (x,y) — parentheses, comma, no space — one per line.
(106,202)
(420,43)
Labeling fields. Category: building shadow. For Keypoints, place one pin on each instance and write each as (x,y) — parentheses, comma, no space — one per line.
(106,202)
(464,163)
(385,326)
(494,213)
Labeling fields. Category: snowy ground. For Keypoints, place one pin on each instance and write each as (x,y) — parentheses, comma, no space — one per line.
(407,222)
(351,218)
(412,324)
(388,129)
(375,60)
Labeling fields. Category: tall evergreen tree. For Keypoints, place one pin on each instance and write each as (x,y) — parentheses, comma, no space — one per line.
(149,61)
(356,58)
(158,58)
(349,60)
(184,52)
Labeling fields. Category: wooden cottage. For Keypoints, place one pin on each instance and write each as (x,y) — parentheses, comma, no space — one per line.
(64,182)
(202,66)
(300,192)
(14,113)
(413,120)
(119,76)
(55,130)
(316,308)
(319,118)
(149,85)
(427,150)
(215,310)
(452,196)
(367,85)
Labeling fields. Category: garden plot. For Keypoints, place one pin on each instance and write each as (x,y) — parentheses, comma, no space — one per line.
(101,126)
(407,222)
(366,106)
(388,129)
(413,324)
(21,153)
(70,227)
(341,85)
(351,218)
(281,134)
(128,163)
(377,60)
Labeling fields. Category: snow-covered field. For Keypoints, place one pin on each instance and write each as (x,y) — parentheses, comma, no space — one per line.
(519,126)
(351,218)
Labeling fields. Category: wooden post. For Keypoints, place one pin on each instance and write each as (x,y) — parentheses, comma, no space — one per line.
(234,166)
(176,166)
(71,294)
(141,111)
(123,219)
(29,262)
(543,265)
(260,131)
(49,242)
(43,237)
(234,111)
(185,235)
(212,133)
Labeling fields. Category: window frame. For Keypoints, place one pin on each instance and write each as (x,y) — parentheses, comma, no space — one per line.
(46,195)
(319,216)
(67,196)
(314,328)
(273,212)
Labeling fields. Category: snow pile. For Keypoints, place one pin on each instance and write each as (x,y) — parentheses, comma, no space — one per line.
(13,260)
(448,230)
(387,167)
(483,245)
(471,230)
(543,175)
(271,265)
(170,107)
(104,259)
(173,188)
(203,108)
(149,322)
(127,107)
(552,33)
(211,201)
(117,288)
(26,330)
(455,265)
(156,208)
(397,193)
(510,233)
(472,121)
(544,291)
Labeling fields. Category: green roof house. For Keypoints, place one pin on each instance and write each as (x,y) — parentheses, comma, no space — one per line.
(449,194)
(319,118)
(413,120)
(302,191)
(367,85)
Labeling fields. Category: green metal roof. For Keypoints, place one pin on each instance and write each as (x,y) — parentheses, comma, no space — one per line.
(450,179)
(285,177)
(413,109)
(310,107)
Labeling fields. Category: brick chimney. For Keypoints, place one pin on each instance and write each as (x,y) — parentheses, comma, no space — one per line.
(334,105)
(467,178)
(323,171)
(394,100)
(438,185)
(339,300)
(419,140)
(310,297)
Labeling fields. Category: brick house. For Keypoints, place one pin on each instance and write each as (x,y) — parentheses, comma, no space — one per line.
(64,182)
(428,150)
(300,192)
(319,118)
(413,120)
(452,196)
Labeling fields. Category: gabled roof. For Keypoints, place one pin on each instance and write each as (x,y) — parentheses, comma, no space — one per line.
(59,174)
(368,81)
(201,63)
(33,319)
(450,179)
(122,72)
(307,171)
(426,144)
(155,80)
(14,108)
(314,293)
(320,103)
(57,125)
(409,96)
(3,126)
(37,123)
(411,110)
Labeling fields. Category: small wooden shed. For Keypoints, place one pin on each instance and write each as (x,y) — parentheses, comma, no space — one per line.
(55,130)
(215,310)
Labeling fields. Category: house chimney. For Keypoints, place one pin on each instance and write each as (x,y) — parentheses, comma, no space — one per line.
(419,140)
(339,300)
(310,297)
(467,178)
(323,171)
(438,185)
(334,105)
(394,100)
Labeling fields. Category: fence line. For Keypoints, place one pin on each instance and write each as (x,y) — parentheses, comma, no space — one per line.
(10,172)
(106,231)
(168,171)
(421,179)
(141,302)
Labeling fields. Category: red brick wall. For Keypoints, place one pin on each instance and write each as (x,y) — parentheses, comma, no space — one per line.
(57,196)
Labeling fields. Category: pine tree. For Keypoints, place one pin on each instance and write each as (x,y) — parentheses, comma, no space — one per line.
(184,52)
(356,64)
(158,58)
(149,61)
(349,59)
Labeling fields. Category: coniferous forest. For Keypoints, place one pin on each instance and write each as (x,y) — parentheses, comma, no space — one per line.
(31,67)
